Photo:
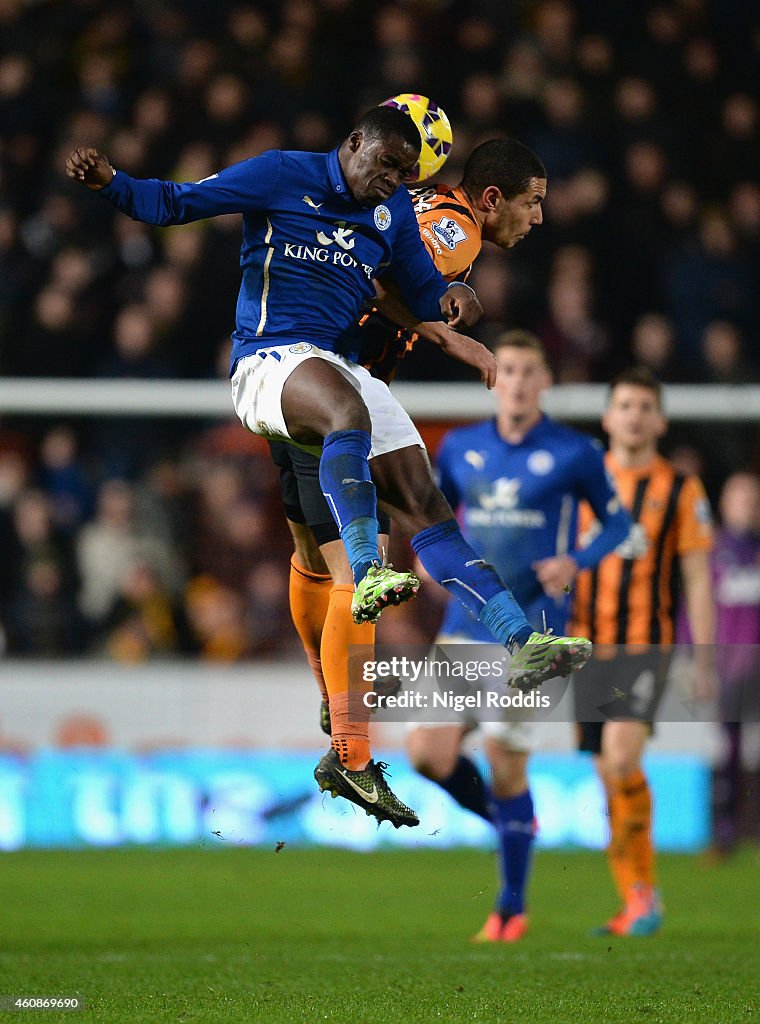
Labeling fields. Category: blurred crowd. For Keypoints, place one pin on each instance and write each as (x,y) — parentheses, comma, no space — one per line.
(189,559)
(137,538)
(645,114)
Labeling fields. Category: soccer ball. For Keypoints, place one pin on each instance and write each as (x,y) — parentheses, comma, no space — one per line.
(434,129)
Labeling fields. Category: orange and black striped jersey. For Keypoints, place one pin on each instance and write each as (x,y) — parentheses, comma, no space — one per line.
(631,596)
(452,235)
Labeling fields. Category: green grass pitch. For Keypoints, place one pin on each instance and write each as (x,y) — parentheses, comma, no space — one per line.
(233,934)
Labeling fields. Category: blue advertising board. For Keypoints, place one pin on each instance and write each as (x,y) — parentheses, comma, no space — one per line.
(78,798)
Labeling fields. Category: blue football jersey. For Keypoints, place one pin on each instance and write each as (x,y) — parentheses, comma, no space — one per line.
(309,251)
(518,503)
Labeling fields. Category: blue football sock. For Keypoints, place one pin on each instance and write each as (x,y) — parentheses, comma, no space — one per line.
(506,620)
(513,819)
(346,484)
(451,561)
(467,787)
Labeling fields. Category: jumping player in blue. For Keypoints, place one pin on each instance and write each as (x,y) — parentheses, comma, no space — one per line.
(516,480)
(317,229)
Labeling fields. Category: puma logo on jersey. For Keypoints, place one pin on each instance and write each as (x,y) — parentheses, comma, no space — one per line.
(476,459)
(310,202)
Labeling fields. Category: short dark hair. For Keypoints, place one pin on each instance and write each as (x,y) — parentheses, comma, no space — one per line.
(505,163)
(518,338)
(640,377)
(381,122)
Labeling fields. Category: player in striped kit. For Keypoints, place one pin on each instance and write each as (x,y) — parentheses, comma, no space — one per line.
(628,604)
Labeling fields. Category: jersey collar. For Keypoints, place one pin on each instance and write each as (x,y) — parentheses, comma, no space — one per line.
(632,471)
(337,180)
(531,434)
(461,197)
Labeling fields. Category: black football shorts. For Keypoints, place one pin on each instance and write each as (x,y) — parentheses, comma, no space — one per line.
(302,497)
(628,686)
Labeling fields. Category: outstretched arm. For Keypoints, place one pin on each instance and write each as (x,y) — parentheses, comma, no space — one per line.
(457,346)
(463,349)
(244,186)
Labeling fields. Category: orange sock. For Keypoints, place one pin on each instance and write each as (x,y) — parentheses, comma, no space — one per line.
(349,715)
(631,850)
(309,601)
(616,848)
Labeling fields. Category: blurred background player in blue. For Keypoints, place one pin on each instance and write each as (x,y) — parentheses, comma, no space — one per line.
(736,583)
(516,481)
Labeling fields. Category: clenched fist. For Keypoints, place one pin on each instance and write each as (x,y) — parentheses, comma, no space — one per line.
(90,167)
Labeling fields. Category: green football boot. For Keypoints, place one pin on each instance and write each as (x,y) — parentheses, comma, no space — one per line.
(381,588)
(545,656)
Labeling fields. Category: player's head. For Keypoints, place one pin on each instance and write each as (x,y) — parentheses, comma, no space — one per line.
(379,154)
(740,503)
(506,182)
(523,374)
(634,419)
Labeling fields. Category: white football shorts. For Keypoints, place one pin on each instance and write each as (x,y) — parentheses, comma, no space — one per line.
(258,381)
(517,735)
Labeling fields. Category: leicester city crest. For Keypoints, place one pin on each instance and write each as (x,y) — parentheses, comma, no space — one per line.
(382,218)
(540,462)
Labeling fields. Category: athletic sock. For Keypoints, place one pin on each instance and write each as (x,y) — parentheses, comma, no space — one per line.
(514,820)
(616,849)
(309,594)
(506,620)
(346,484)
(631,851)
(638,812)
(450,560)
(349,715)
(467,787)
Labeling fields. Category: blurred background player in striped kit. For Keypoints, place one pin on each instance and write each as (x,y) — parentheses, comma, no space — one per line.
(629,603)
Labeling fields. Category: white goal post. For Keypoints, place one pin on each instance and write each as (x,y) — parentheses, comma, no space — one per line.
(425,401)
